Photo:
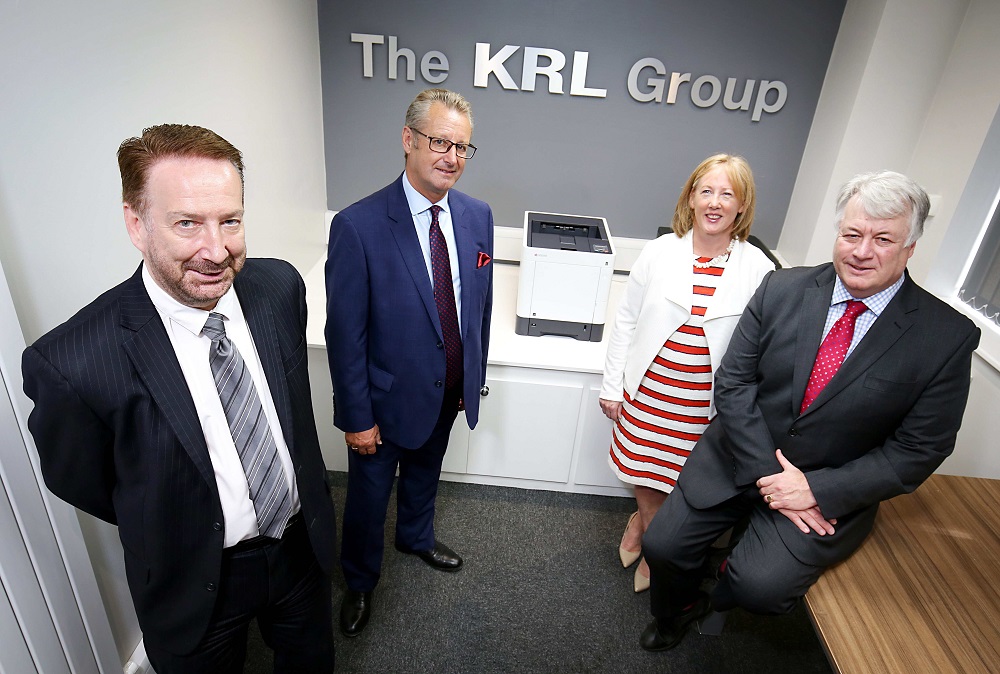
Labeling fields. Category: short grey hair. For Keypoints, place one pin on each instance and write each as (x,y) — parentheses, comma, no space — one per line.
(419,110)
(885,195)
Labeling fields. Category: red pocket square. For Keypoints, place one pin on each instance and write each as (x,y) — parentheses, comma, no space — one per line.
(483,260)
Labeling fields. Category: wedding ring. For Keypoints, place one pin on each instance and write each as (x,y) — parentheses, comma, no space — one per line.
(769,498)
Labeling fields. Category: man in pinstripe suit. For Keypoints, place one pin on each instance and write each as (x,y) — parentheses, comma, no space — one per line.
(130,427)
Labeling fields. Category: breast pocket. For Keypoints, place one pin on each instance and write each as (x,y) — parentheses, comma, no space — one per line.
(889,386)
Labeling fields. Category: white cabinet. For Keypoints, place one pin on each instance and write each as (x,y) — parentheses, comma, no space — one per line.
(527,425)
(594,444)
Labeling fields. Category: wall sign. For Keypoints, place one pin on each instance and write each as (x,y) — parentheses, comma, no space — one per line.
(588,107)
(647,79)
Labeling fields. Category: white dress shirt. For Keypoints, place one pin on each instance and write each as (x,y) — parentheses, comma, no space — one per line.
(184,325)
(420,209)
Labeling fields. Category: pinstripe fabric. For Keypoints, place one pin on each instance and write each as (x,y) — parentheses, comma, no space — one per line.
(251,432)
(118,436)
(660,426)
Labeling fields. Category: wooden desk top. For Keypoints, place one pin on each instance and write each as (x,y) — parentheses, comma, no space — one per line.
(923,593)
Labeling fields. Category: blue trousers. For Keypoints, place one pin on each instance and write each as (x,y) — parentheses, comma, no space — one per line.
(369,484)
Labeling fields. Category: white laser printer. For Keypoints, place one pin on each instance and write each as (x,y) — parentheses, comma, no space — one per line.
(565,278)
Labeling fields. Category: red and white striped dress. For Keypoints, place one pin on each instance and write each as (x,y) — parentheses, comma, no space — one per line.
(659,427)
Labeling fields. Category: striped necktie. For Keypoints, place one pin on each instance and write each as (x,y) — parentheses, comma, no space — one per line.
(251,432)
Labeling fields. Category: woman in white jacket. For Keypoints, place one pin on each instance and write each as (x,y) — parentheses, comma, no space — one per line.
(685,294)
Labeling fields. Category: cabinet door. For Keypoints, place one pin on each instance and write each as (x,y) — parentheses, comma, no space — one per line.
(527,426)
(595,444)
(456,459)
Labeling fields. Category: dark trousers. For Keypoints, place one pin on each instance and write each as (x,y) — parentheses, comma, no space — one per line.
(280,584)
(369,485)
(760,575)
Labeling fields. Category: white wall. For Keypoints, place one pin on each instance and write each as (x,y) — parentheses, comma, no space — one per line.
(882,80)
(911,87)
(78,78)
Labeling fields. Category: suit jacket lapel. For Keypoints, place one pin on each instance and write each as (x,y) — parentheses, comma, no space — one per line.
(405,234)
(261,322)
(813,312)
(148,347)
(467,253)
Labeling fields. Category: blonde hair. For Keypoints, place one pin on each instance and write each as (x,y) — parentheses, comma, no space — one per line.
(419,110)
(739,173)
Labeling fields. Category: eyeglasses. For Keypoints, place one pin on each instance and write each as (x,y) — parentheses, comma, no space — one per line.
(443,146)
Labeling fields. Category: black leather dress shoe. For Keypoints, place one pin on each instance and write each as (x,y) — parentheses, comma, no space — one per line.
(441,557)
(355,609)
(657,637)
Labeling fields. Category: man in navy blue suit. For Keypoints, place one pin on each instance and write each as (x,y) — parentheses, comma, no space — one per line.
(133,426)
(409,294)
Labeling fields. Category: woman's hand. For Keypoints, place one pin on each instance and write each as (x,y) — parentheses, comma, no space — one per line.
(611,408)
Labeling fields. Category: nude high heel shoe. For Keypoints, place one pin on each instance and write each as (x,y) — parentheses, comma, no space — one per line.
(639,582)
(628,557)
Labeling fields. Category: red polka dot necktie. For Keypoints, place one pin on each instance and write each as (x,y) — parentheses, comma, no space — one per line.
(444,297)
(832,352)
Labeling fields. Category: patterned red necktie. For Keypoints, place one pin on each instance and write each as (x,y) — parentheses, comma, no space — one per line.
(832,352)
(444,297)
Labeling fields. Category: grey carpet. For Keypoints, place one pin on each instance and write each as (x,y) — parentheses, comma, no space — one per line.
(542,590)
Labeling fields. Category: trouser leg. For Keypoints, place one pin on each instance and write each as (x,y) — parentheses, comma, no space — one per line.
(369,484)
(675,546)
(419,474)
(761,575)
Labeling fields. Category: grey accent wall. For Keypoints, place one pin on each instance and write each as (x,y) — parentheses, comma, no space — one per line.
(611,156)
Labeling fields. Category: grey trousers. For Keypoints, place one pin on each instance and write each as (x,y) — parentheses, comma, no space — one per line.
(760,574)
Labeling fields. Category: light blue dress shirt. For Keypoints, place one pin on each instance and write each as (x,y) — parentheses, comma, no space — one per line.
(876,305)
(420,209)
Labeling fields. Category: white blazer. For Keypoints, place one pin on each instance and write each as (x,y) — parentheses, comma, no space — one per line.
(657,301)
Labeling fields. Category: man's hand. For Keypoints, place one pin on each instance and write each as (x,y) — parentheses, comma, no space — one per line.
(788,489)
(809,519)
(788,492)
(611,408)
(365,441)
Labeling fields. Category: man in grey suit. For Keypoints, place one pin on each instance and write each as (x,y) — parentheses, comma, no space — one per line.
(177,406)
(844,385)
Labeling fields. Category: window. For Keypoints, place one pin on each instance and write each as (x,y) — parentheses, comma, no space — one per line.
(980,289)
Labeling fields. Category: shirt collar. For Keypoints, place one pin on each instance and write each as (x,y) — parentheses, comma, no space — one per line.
(419,203)
(190,318)
(875,303)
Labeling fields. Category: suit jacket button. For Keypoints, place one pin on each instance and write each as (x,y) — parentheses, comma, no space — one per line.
(210,587)
(217,526)
(438,383)
(793,432)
